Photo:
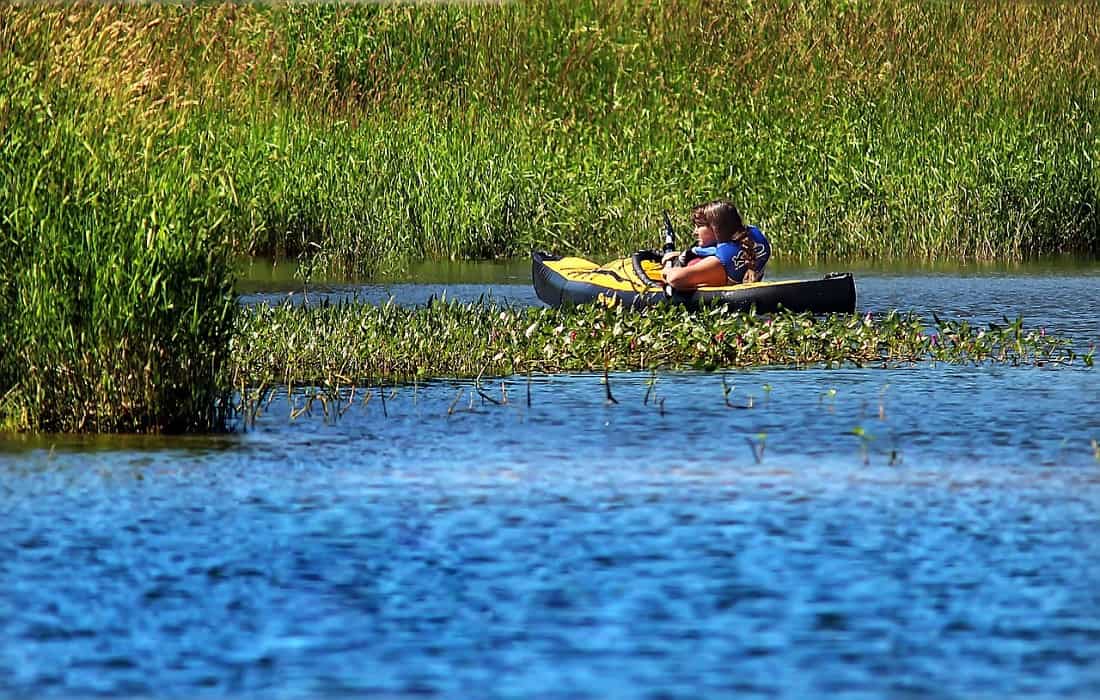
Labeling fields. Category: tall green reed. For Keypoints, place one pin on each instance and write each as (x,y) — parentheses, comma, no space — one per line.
(371,134)
(117,292)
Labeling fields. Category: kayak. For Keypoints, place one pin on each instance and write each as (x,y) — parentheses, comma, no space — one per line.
(635,282)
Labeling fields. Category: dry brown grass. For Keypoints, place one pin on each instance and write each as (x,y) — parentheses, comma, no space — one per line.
(144,58)
(154,56)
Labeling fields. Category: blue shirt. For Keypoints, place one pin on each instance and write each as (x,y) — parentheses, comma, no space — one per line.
(732,256)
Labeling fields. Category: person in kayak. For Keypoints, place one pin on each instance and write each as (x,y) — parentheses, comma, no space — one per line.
(728,252)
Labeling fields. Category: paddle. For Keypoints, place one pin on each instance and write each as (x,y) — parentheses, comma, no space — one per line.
(670,246)
(641,255)
(670,234)
(654,256)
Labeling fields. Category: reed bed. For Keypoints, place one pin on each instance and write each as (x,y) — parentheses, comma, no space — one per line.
(351,344)
(116,300)
(365,135)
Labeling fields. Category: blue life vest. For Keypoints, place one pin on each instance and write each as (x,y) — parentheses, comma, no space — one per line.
(732,257)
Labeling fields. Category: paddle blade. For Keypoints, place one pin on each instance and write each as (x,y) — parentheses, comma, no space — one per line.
(670,234)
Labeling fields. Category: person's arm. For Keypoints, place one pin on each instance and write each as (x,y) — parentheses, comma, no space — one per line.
(705,273)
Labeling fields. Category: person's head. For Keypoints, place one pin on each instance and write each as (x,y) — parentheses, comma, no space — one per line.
(717,221)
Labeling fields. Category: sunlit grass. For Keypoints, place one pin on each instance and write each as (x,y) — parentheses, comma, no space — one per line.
(116,300)
(366,135)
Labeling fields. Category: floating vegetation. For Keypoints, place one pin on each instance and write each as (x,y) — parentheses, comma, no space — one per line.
(757,446)
(353,344)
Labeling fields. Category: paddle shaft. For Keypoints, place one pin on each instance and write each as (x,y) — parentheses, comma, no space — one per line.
(670,235)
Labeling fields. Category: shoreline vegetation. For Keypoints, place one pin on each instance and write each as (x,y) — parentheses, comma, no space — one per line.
(142,148)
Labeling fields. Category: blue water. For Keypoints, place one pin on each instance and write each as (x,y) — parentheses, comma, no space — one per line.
(669,544)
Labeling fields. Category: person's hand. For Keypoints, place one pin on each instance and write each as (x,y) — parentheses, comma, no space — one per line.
(669,257)
(685,257)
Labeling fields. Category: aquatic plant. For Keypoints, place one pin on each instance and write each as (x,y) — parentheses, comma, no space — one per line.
(116,299)
(350,344)
(757,446)
(865,440)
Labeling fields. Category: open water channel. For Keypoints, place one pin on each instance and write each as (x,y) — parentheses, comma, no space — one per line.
(931,531)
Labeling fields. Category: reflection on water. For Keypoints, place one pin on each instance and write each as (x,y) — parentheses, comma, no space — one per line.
(267,275)
(666,544)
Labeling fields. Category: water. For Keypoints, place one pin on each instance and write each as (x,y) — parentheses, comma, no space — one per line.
(664,545)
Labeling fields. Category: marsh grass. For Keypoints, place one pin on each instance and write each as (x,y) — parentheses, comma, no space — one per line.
(368,134)
(116,301)
(348,344)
